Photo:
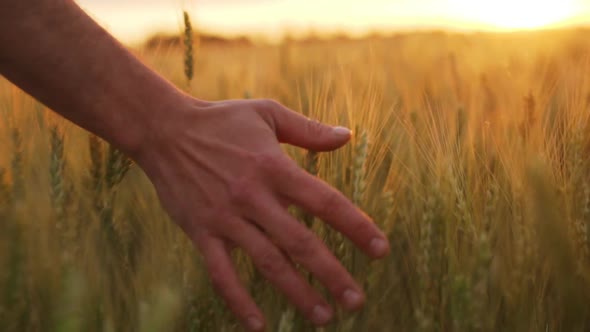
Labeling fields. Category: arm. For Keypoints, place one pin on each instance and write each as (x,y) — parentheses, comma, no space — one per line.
(217,167)
(55,52)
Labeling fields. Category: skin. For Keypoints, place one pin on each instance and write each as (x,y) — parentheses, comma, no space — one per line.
(217,166)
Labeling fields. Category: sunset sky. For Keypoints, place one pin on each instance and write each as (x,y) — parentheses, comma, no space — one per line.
(133,20)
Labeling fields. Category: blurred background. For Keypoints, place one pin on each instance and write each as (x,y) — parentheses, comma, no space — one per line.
(471,151)
(133,20)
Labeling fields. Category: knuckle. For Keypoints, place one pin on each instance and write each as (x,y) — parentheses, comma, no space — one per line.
(272,263)
(218,279)
(329,203)
(242,189)
(302,246)
(314,127)
(362,228)
(219,217)
(269,104)
(268,162)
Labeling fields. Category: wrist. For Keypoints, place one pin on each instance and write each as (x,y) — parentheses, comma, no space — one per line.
(162,126)
(155,125)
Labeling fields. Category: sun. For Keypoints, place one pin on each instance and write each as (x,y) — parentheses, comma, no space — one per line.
(516,14)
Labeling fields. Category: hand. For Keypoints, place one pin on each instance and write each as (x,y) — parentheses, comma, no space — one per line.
(220,173)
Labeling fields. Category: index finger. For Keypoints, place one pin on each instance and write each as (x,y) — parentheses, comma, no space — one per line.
(330,205)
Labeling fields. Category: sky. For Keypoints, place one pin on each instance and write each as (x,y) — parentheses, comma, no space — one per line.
(134,20)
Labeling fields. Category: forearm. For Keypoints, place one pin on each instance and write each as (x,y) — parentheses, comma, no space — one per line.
(59,55)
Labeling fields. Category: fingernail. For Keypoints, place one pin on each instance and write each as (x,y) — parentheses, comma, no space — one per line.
(342,131)
(379,247)
(321,315)
(352,299)
(255,324)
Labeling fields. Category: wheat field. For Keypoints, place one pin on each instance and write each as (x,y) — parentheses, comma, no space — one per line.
(470,151)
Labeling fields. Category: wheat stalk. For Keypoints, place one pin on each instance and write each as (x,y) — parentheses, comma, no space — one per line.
(312,167)
(189,61)
(359,169)
(18,186)
(60,194)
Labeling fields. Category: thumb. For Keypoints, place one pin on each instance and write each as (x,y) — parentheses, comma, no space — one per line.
(295,129)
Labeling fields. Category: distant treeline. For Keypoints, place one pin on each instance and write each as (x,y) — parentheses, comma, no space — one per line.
(173,41)
(210,39)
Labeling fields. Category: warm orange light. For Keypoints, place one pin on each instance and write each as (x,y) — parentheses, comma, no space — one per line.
(133,22)
(517,14)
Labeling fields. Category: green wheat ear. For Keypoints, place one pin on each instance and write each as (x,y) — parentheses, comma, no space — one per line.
(312,167)
(188,48)
(4,192)
(118,164)
(18,186)
(97,163)
(56,173)
(359,170)
(59,192)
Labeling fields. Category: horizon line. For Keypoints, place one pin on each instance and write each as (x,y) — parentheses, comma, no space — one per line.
(331,32)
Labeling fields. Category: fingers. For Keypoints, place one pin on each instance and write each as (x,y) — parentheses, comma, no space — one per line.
(275,267)
(304,247)
(330,205)
(295,129)
(227,284)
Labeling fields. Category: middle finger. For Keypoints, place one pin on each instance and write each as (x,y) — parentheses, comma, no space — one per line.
(305,248)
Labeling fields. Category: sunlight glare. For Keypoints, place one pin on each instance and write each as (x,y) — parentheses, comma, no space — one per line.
(517,14)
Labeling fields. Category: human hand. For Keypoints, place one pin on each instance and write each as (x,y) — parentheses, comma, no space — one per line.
(220,173)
